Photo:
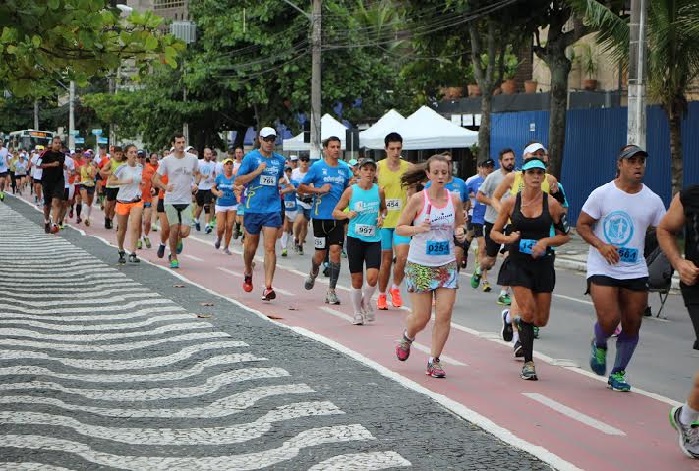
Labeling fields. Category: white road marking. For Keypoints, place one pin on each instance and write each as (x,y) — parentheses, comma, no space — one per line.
(284,292)
(101,327)
(231,272)
(102,317)
(192,257)
(92,299)
(163,329)
(574,414)
(371,461)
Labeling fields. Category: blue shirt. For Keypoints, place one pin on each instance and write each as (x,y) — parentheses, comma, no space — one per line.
(290,200)
(366,203)
(472,186)
(226,186)
(321,173)
(456,186)
(263,190)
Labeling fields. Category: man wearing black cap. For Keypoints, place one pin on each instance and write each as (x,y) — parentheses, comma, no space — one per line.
(614,220)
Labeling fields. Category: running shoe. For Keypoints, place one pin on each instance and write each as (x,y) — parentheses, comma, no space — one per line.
(146,241)
(87,222)
(54,229)
(598,359)
(518,350)
(174,264)
(529,372)
(284,254)
(247,283)
(326,271)
(403,348)
(236,231)
(300,249)
(344,253)
(504,300)
(507,330)
(197,226)
(161,251)
(475,279)
(331,297)
(368,310)
(47,227)
(180,246)
(688,435)
(486,286)
(358,319)
(268,294)
(2,196)
(434,369)
(536,332)
(139,244)
(208,229)
(217,244)
(617,331)
(70,213)
(227,251)
(78,220)
(617,382)
(122,257)
(133,258)
(381,303)
(310,280)
(396,299)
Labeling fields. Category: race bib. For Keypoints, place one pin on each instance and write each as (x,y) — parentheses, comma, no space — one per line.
(289,204)
(628,255)
(268,180)
(393,205)
(526,245)
(319,242)
(437,247)
(366,230)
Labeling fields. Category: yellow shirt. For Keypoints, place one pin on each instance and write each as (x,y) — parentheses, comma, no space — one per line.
(396,195)
(518,184)
(85,178)
(114,165)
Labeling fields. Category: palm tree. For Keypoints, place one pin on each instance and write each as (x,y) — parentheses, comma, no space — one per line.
(673,58)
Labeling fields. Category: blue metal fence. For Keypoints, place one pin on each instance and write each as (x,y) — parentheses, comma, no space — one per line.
(593,139)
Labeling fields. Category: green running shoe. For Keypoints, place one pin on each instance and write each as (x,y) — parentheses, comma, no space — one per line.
(617,382)
(475,279)
(503,299)
(598,359)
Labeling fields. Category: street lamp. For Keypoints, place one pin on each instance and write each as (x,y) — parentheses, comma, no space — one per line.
(186,31)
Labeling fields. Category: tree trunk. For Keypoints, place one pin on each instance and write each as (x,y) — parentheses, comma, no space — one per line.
(484,130)
(559,65)
(674,116)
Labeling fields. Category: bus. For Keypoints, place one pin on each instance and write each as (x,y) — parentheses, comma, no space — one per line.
(28,139)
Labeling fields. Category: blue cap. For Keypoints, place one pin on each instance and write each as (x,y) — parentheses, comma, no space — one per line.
(352,162)
(533,163)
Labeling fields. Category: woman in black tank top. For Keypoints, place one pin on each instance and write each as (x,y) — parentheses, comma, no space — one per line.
(529,267)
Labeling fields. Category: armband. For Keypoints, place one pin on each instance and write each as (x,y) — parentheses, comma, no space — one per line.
(563,225)
(559,196)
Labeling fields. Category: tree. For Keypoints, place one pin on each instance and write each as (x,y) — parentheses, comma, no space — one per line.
(75,40)
(673,58)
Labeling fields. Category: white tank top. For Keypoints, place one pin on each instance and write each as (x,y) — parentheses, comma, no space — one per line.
(435,247)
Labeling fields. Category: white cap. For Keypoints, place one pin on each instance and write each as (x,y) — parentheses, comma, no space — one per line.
(293,157)
(188,148)
(533,147)
(267,131)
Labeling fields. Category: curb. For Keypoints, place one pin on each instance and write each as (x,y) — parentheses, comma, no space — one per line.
(577,265)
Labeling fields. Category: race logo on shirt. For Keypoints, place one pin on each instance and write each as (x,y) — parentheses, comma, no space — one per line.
(618,228)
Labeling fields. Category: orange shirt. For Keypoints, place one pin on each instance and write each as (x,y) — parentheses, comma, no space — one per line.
(147,182)
(161,193)
(75,178)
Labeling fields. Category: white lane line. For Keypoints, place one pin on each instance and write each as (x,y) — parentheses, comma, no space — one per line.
(371,461)
(570,298)
(192,257)
(574,414)
(101,317)
(415,345)
(164,329)
(230,272)
(286,452)
(284,292)
(100,327)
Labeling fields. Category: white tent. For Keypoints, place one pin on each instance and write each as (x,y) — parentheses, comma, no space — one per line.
(373,137)
(329,126)
(427,129)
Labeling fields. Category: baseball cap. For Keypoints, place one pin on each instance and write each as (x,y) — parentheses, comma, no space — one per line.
(533,163)
(228,161)
(631,151)
(188,148)
(534,147)
(287,168)
(293,157)
(352,162)
(366,161)
(267,132)
(141,152)
(488,163)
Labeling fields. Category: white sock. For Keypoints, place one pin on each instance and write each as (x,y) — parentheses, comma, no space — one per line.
(285,240)
(367,293)
(503,292)
(688,415)
(395,286)
(508,319)
(356,298)
(515,336)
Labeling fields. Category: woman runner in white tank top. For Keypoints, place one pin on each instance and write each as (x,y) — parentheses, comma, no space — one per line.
(432,219)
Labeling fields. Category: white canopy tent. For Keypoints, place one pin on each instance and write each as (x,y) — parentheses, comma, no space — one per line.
(427,129)
(373,137)
(329,126)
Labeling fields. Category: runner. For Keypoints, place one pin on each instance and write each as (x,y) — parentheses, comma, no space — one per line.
(68,189)
(393,246)
(614,220)
(53,186)
(110,191)
(432,217)
(262,171)
(486,258)
(303,204)
(529,266)
(290,212)
(226,205)
(147,194)
(21,167)
(367,209)
(327,179)
(129,207)
(4,168)
(88,174)
(474,226)
(204,197)
(36,173)
(684,215)
(77,200)
(181,168)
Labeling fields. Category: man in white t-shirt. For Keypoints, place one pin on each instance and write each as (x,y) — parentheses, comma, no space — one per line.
(204,198)
(303,204)
(181,168)
(36,173)
(614,221)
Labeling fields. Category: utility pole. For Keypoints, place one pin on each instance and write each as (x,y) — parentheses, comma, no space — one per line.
(315,79)
(36,114)
(71,116)
(636,127)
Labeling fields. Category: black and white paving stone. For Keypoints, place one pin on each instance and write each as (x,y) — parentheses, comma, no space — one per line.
(113,367)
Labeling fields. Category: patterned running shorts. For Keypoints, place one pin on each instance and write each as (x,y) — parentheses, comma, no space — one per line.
(424,279)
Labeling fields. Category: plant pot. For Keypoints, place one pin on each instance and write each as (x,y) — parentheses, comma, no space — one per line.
(509,87)
(473,89)
(590,84)
(530,86)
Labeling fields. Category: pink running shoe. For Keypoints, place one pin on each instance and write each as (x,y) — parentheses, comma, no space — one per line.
(403,348)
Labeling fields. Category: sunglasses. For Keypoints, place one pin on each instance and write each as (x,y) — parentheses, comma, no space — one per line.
(304,160)
(269,139)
